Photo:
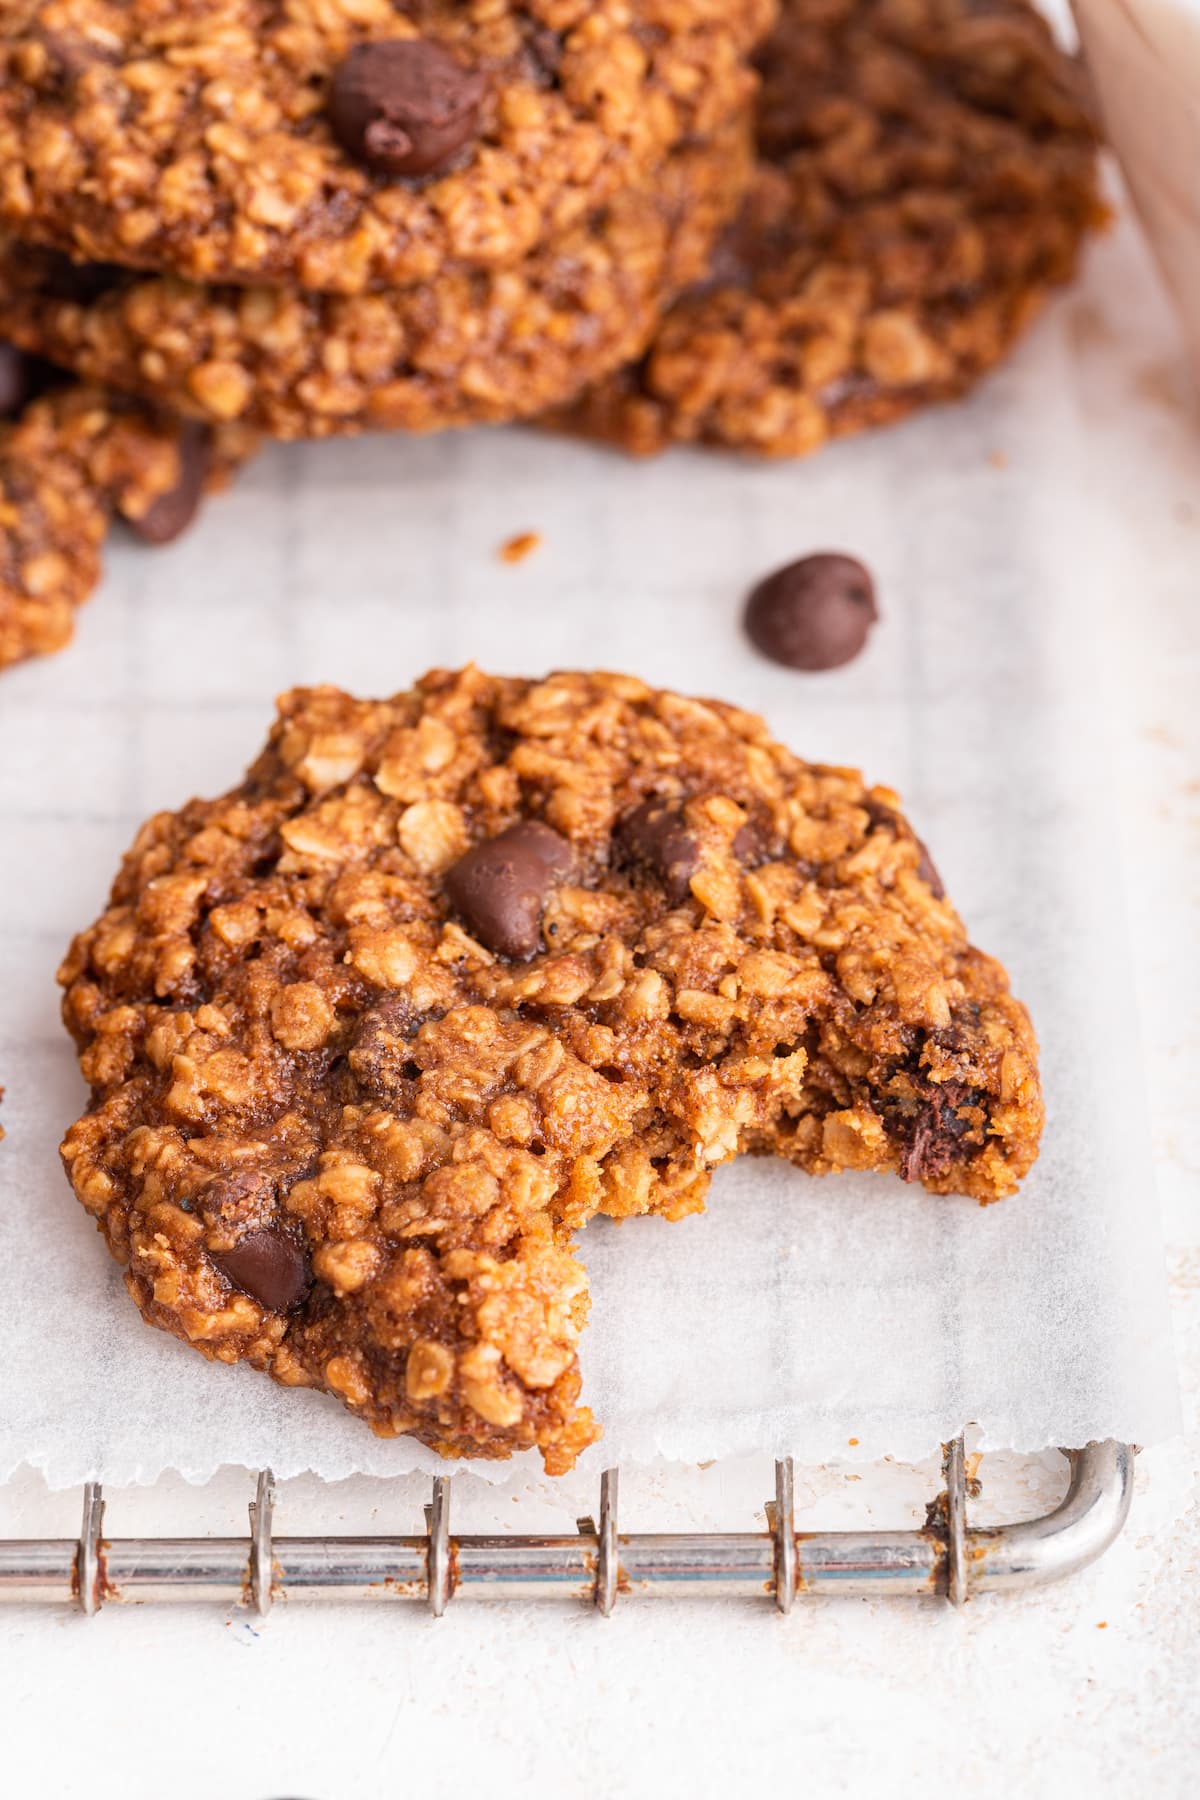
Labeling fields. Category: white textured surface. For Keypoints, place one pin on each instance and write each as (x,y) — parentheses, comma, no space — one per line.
(1014,1697)
(794,1315)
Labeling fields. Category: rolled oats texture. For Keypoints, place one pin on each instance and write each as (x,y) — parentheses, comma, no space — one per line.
(68,462)
(350,1107)
(469,346)
(927,174)
(197,141)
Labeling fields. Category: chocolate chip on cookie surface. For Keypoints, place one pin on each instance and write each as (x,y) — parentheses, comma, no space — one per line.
(21,380)
(405,107)
(337,146)
(927,172)
(500,887)
(370,1037)
(71,456)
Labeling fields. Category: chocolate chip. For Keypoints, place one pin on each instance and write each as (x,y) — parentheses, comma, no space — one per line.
(927,870)
(70,56)
(544,53)
(172,512)
(933,1139)
(404,107)
(381,1054)
(269,1266)
(813,614)
(80,282)
(655,836)
(732,261)
(17,381)
(242,1195)
(889,819)
(751,845)
(881,815)
(501,886)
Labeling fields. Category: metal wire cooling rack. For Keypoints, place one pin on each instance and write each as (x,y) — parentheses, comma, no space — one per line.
(599,1565)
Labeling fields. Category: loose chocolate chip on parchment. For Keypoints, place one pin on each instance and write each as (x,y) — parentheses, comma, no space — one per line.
(656,838)
(500,887)
(270,1266)
(171,513)
(404,107)
(813,614)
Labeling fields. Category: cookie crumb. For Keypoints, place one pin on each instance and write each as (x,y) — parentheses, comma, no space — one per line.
(517,548)
(998,459)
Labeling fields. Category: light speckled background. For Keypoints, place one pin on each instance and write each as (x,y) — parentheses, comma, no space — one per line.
(794,1314)
(1027,1696)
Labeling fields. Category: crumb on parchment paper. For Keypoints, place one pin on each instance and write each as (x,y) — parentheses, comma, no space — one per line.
(516,549)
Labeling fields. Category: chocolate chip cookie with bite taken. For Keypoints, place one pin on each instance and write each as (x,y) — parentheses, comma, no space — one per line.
(370,1037)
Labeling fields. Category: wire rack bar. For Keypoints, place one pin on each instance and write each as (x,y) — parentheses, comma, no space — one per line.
(601,1565)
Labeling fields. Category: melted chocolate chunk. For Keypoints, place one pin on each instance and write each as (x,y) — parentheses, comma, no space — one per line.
(927,870)
(69,56)
(655,837)
(18,382)
(882,815)
(404,107)
(270,1266)
(813,614)
(752,845)
(242,1195)
(933,1141)
(381,1054)
(544,52)
(174,511)
(500,887)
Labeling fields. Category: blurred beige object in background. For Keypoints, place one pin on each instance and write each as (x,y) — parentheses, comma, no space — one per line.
(1144,58)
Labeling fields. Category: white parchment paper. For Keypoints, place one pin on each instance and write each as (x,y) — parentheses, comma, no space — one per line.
(796,1315)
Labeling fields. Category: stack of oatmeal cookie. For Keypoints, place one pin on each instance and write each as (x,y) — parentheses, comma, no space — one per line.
(313,217)
(325,215)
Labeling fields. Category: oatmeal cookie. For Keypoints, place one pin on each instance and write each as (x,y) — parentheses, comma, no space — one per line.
(469,346)
(927,172)
(70,457)
(342,145)
(370,1037)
